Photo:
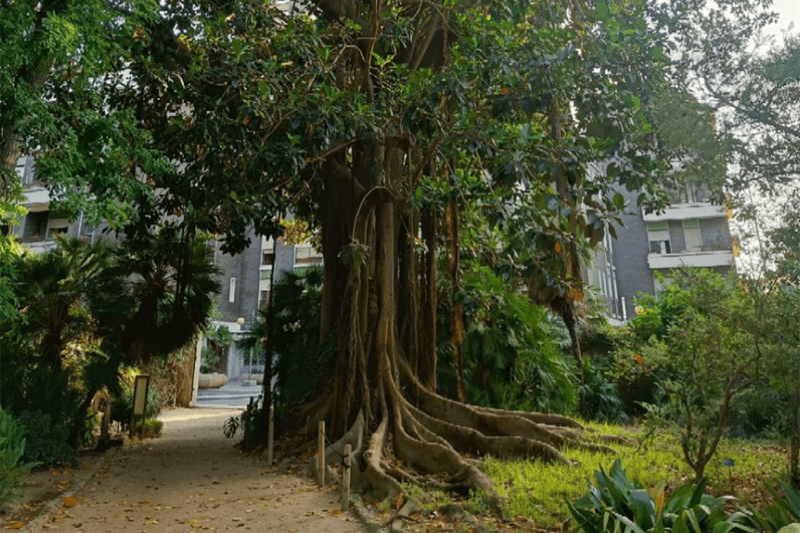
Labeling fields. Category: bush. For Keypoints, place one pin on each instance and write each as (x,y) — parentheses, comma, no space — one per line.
(511,359)
(149,427)
(599,398)
(47,440)
(249,422)
(12,450)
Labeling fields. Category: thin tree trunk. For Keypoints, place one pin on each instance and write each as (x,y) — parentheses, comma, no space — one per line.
(456,321)
(794,428)
(269,353)
(428,360)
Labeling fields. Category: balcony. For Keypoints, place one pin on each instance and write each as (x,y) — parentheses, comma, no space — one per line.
(39,247)
(706,259)
(37,198)
(686,212)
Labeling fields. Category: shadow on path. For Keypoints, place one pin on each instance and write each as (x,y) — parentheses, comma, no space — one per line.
(192,479)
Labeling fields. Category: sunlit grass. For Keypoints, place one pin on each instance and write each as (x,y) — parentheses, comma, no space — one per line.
(538,490)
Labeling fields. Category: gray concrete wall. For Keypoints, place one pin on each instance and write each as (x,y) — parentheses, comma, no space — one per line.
(243,267)
(677,240)
(284,259)
(630,254)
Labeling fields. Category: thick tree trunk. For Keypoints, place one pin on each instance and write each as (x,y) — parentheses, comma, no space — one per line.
(380,292)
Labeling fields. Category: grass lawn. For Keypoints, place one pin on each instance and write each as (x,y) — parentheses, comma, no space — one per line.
(537,490)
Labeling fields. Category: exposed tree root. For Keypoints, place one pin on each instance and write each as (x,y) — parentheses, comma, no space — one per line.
(435,435)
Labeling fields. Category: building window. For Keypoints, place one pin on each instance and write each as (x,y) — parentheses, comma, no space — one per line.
(267,252)
(692,236)
(264,287)
(57,226)
(658,236)
(35,226)
(232,290)
(305,254)
(20,168)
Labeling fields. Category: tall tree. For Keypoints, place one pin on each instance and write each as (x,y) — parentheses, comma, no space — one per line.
(726,56)
(350,112)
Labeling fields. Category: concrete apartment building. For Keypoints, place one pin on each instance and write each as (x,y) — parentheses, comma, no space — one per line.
(244,278)
(690,232)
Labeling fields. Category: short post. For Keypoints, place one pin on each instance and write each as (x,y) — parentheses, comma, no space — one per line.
(348,449)
(248,412)
(270,436)
(106,421)
(321,456)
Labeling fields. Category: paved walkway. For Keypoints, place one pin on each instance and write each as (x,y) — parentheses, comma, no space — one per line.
(193,480)
(232,395)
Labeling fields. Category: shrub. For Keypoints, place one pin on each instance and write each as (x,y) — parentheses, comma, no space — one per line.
(122,402)
(249,422)
(149,427)
(47,440)
(12,450)
(599,398)
(511,359)
(618,504)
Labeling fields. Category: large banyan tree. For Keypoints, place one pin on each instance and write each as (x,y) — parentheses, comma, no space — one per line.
(374,119)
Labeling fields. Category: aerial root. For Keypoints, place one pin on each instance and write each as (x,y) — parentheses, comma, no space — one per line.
(375,474)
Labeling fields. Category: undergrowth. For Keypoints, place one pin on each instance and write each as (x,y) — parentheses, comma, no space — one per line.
(538,490)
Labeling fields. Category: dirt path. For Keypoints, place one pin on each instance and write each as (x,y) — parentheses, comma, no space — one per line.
(192,479)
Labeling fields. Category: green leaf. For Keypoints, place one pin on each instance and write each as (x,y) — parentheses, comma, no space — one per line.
(602,12)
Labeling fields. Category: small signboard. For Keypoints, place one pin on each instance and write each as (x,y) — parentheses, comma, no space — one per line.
(140,389)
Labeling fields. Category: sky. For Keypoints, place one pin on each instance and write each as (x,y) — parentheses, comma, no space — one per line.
(789,11)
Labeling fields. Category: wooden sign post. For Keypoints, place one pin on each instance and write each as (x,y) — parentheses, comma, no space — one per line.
(140,388)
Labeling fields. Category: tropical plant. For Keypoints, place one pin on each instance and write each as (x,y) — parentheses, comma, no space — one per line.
(12,450)
(616,503)
(599,398)
(297,301)
(784,510)
(510,360)
(218,342)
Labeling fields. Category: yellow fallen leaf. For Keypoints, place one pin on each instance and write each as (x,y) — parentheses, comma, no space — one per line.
(336,512)
(69,501)
(144,502)
(15,525)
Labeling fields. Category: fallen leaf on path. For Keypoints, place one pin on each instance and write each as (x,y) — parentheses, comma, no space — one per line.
(15,525)
(69,501)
